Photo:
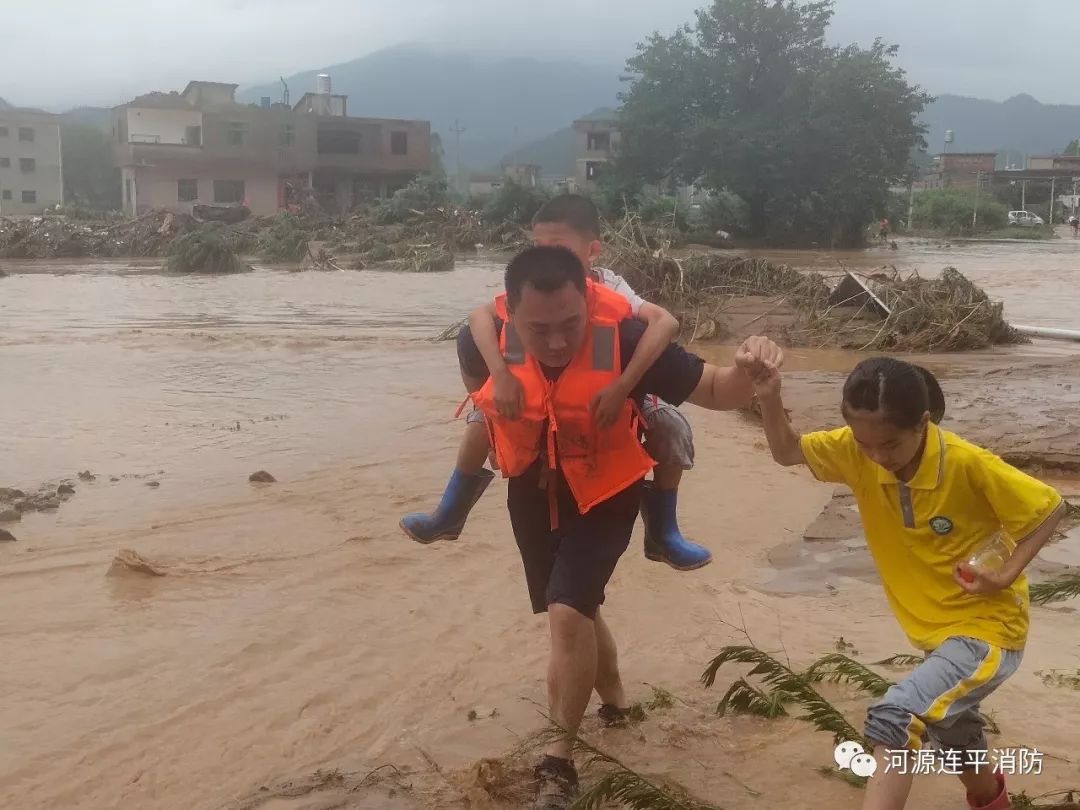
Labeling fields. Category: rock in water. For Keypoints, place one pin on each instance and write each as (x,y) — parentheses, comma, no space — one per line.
(86,475)
(153,484)
(6,536)
(10,494)
(10,516)
(261,477)
(65,489)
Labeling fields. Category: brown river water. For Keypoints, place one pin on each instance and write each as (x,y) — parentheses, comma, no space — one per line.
(175,637)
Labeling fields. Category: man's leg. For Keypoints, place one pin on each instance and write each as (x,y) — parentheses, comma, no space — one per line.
(585,551)
(670,441)
(609,685)
(467,483)
(572,671)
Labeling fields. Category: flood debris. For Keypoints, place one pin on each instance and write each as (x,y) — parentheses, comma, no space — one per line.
(204,251)
(412,240)
(883,312)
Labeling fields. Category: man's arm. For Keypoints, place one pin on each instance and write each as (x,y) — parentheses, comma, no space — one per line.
(725,389)
(661,328)
(508,393)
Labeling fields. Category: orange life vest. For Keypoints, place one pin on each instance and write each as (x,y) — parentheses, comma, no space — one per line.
(596,462)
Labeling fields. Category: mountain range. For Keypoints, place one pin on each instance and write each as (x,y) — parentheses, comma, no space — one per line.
(521,108)
(501,103)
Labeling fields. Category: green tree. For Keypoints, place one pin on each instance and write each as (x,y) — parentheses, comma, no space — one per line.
(1073,149)
(89,177)
(952,211)
(438,157)
(751,100)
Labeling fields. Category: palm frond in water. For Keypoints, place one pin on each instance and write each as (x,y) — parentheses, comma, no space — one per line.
(1056,590)
(839,668)
(629,788)
(900,660)
(745,698)
(817,710)
(990,724)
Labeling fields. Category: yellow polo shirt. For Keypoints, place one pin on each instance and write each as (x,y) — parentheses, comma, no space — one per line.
(960,496)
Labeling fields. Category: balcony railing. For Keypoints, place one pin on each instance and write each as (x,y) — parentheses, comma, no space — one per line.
(136,138)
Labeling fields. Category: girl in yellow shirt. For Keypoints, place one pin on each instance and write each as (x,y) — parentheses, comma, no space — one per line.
(928,501)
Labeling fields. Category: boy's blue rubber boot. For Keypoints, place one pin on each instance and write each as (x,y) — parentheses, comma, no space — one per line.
(663,540)
(446,523)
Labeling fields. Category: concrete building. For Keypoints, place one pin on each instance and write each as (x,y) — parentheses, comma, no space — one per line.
(200,146)
(962,170)
(524,174)
(597,140)
(31,166)
(1065,163)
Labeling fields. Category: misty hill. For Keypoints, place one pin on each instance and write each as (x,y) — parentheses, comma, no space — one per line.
(502,102)
(1020,126)
(4,104)
(1014,128)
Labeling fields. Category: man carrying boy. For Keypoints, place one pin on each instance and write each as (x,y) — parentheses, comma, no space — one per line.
(573,222)
(574,487)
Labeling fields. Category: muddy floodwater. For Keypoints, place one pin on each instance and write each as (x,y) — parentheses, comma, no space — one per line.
(176,637)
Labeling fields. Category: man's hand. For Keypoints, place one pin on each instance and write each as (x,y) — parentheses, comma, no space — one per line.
(509,394)
(979,581)
(608,403)
(757,355)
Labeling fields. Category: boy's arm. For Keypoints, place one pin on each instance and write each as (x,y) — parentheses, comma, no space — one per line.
(661,328)
(508,391)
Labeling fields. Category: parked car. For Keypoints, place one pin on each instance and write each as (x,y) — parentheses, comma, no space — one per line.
(1025,219)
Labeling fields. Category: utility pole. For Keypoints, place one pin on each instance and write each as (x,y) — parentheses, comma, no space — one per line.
(911,197)
(1023,195)
(975,213)
(1053,182)
(457,129)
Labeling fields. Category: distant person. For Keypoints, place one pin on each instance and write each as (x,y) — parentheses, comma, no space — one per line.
(883,229)
(1075,222)
(929,503)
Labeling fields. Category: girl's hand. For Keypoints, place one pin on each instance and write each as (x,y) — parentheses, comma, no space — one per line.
(977,581)
(767,382)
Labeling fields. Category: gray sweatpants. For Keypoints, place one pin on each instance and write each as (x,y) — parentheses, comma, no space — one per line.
(940,700)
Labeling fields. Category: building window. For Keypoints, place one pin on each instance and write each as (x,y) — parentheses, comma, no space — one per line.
(5,163)
(593,169)
(599,141)
(399,143)
(187,190)
(338,142)
(236,133)
(228,191)
(7,193)
(193,136)
(3,132)
(26,134)
(287,136)
(27,165)
(29,196)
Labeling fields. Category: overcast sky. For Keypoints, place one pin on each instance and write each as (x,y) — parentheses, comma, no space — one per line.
(58,53)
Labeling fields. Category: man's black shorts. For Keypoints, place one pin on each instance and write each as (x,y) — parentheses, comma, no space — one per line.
(571,565)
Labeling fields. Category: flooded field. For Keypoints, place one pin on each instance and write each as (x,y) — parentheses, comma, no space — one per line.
(175,637)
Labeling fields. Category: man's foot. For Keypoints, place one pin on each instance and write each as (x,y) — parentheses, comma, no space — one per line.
(611,716)
(556,784)
(447,521)
(663,540)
